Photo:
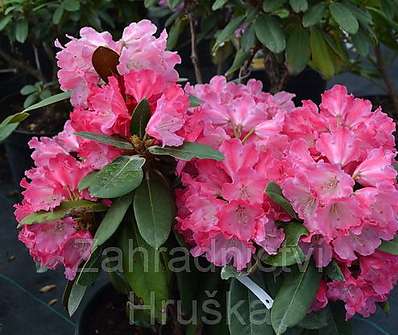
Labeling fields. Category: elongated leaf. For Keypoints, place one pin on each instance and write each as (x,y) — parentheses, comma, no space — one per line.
(175,31)
(90,270)
(248,40)
(105,62)
(218,4)
(154,210)
(67,208)
(334,272)
(390,247)
(113,141)
(75,297)
(317,320)
(321,54)
(270,34)
(194,101)
(299,5)
(344,17)
(228,31)
(240,58)
(272,5)
(337,324)
(188,151)
(5,21)
(140,118)
(49,101)
(118,178)
(275,193)
(290,253)
(294,298)
(314,15)
(7,130)
(362,43)
(113,217)
(298,51)
(143,269)
(247,314)
(21,31)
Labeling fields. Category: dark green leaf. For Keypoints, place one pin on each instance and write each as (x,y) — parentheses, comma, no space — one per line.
(21,31)
(118,178)
(30,100)
(275,193)
(5,21)
(294,298)
(271,5)
(143,269)
(314,15)
(390,247)
(174,3)
(298,51)
(194,101)
(140,118)
(337,324)
(67,208)
(361,43)
(316,320)
(58,13)
(10,123)
(150,3)
(248,315)
(188,151)
(321,54)
(248,39)
(113,141)
(71,5)
(240,57)
(333,271)
(28,89)
(290,253)
(218,4)
(228,31)
(299,5)
(270,34)
(75,297)
(49,101)
(154,210)
(344,17)
(113,217)
(90,270)
(175,31)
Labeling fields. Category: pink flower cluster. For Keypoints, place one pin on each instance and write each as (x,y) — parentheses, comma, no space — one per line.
(223,210)
(342,184)
(53,180)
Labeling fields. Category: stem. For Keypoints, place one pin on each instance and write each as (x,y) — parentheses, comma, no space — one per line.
(51,57)
(22,65)
(37,61)
(194,55)
(386,78)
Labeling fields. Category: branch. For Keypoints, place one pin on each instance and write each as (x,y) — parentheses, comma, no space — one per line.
(23,66)
(194,55)
(381,66)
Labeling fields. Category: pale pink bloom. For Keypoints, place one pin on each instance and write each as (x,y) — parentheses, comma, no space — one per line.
(268,235)
(316,246)
(67,138)
(169,117)
(376,168)
(140,49)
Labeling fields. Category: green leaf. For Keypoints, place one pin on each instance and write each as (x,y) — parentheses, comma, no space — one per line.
(270,34)
(314,15)
(290,253)
(337,324)
(150,3)
(298,51)
(49,101)
(28,89)
(5,21)
(30,100)
(228,272)
(67,208)
(218,4)
(71,5)
(253,315)
(361,43)
(321,55)
(154,210)
(174,3)
(113,217)
(275,193)
(194,101)
(228,31)
(21,31)
(344,17)
(294,298)
(7,130)
(118,178)
(75,297)
(299,5)
(248,39)
(272,5)
(90,270)
(10,123)
(140,118)
(390,247)
(317,320)
(58,13)
(334,272)
(113,141)
(240,57)
(144,269)
(175,31)
(188,151)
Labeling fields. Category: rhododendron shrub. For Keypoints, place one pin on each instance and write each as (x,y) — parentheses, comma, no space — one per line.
(295,206)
